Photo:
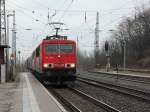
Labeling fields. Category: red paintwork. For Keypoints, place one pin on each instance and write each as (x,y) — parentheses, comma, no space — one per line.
(59,60)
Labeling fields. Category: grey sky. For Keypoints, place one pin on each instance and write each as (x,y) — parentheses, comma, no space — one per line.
(111,13)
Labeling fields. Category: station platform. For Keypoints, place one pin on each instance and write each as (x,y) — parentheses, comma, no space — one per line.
(27,95)
(124,73)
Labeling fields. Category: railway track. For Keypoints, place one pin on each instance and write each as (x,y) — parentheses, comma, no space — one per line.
(118,88)
(94,103)
(68,104)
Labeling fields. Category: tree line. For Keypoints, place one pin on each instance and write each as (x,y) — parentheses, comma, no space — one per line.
(134,33)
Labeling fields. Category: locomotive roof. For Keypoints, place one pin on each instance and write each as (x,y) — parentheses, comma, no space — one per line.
(56,40)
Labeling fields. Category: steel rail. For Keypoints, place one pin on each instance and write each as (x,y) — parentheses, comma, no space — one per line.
(69,105)
(95,101)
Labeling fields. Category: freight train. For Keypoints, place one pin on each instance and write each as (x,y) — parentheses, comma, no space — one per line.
(54,60)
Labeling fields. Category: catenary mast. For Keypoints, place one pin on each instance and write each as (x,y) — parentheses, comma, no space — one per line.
(96,43)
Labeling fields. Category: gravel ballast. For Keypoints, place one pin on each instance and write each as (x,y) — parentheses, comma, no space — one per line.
(122,102)
(80,102)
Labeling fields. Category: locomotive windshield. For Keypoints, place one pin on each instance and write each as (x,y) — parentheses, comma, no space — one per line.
(66,48)
(58,48)
(51,48)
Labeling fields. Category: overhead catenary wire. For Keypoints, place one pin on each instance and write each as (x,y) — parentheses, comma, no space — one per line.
(25,14)
(21,11)
(40,4)
(25,11)
(50,17)
(82,11)
(66,10)
(16,4)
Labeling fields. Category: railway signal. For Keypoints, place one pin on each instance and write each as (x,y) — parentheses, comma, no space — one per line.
(107,55)
(106,46)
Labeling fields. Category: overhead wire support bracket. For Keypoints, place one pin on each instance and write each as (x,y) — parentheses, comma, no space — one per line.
(57,27)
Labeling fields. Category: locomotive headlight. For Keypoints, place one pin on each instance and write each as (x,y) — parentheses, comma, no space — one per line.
(72,65)
(46,65)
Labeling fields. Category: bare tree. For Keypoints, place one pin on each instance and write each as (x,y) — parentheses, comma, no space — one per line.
(135,32)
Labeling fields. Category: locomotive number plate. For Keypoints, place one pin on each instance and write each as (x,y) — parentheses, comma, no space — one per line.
(59,65)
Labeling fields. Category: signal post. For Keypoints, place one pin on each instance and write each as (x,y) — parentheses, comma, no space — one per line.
(107,56)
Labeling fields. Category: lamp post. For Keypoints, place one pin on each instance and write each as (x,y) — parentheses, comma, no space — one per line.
(7,50)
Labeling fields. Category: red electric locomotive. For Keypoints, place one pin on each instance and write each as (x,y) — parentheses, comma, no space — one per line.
(55,59)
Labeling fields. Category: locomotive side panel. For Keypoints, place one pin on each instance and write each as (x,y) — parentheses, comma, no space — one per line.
(37,59)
